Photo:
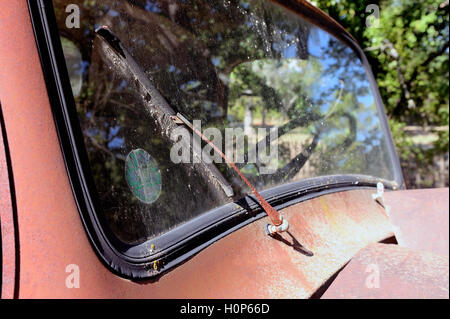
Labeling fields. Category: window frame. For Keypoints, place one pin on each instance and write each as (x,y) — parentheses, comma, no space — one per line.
(173,247)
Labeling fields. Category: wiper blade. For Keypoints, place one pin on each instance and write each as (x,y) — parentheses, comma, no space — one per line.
(167,119)
(158,104)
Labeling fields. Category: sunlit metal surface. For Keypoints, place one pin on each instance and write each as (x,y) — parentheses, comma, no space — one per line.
(421,218)
(390,271)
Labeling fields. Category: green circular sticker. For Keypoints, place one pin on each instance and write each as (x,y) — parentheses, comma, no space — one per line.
(143,176)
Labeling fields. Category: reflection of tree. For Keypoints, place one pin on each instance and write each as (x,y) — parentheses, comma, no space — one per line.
(215,61)
(363,154)
(119,120)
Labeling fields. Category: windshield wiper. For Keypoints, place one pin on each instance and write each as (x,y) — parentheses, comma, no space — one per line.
(169,120)
(279,223)
(159,105)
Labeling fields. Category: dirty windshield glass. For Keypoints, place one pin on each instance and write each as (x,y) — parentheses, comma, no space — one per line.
(285,99)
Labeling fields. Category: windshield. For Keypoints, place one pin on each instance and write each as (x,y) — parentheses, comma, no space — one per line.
(285,99)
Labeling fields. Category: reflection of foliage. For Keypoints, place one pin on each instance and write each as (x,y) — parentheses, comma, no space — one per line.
(228,63)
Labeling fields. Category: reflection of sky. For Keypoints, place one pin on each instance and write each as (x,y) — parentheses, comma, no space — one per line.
(290,51)
(318,43)
(115,141)
(152,7)
(340,68)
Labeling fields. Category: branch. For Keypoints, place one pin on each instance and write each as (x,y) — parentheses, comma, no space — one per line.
(391,51)
(436,54)
(430,58)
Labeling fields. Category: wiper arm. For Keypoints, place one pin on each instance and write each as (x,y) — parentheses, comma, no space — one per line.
(168,119)
(279,223)
(158,106)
